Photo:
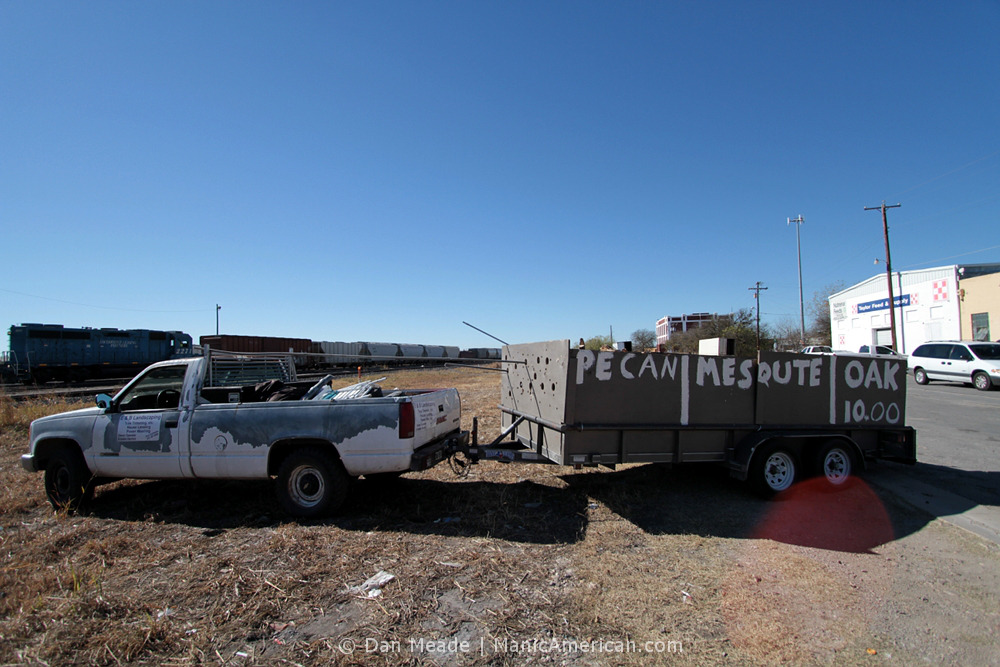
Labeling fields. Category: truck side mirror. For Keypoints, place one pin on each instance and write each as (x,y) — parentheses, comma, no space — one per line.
(103,401)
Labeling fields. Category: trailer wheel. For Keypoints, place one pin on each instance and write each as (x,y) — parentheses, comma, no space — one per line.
(835,463)
(68,482)
(311,484)
(920,376)
(773,470)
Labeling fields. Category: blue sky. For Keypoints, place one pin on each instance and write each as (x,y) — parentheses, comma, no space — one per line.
(386,170)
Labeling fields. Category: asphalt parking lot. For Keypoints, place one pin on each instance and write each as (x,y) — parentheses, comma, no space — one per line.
(957,477)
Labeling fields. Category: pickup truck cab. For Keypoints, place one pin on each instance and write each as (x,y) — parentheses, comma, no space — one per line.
(169,422)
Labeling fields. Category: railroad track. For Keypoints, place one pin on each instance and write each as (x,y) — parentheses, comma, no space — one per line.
(90,389)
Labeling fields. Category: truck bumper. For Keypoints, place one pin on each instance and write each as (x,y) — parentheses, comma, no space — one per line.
(433,453)
(28,462)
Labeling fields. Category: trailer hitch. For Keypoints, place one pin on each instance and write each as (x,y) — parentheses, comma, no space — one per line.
(463,457)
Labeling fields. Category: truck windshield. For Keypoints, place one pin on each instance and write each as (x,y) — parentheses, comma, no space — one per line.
(143,394)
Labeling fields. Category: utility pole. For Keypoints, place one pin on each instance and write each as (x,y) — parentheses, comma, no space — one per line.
(756,295)
(802,309)
(217,309)
(888,268)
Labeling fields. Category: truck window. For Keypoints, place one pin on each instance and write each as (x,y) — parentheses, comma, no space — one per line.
(159,388)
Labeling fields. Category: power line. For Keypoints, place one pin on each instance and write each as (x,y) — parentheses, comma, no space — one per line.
(91,305)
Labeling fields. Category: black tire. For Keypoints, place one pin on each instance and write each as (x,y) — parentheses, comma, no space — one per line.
(920,376)
(835,465)
(773,469)
(981,381)
(311,484)
(68,482)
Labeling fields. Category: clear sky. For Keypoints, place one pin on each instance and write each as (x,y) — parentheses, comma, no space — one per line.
(386,170)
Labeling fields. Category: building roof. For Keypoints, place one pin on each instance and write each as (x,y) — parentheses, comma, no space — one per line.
(876,284)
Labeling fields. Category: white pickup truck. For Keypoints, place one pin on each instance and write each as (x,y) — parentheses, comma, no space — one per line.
(169,422)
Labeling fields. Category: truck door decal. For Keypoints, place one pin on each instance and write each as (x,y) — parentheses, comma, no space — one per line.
(139,428)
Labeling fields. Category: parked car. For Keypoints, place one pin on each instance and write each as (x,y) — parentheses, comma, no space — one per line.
(817,349)
(879,349)
(972,362)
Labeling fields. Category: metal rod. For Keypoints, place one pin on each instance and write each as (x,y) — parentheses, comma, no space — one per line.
(485,333)
(476,368)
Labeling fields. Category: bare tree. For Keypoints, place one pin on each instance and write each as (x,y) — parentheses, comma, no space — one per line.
(820,332)
(643,339)
(786,334)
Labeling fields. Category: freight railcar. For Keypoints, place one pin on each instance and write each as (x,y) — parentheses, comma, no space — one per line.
(300,347)
(43,352)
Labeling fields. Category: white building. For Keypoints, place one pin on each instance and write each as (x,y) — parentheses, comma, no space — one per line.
(930,304)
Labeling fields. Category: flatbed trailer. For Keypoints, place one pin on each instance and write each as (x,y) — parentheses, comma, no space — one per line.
(771,421)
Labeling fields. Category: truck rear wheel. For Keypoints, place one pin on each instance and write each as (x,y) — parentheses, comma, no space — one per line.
(311,484)
(835,463)
(68,482)
(774,469)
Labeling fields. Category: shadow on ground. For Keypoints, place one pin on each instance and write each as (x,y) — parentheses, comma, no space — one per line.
(700,500)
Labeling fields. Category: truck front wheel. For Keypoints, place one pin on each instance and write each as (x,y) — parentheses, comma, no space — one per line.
(68,482)
(774,469)
(311,484)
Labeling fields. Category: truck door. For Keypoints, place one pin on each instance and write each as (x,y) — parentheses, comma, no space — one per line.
(139,435)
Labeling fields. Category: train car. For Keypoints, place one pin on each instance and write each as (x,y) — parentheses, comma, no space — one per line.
(43,352)
(339,353)
(411,351)
(381,352)
(481,353)
(301,348)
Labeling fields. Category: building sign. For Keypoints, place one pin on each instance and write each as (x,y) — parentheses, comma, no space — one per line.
(840,311)
(881,304)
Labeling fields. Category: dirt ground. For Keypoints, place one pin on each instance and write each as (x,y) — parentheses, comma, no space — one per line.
(511,565)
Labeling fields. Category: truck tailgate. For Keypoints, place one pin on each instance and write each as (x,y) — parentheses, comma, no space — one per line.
(436,413)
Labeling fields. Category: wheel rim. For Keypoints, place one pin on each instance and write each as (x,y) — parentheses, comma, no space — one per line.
(837,466)
(981,381)
(306,486)
(920,376)
(779,471)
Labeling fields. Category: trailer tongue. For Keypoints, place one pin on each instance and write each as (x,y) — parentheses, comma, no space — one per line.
(772,420)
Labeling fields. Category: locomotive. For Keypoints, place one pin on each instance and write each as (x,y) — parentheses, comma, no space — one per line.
(43,352)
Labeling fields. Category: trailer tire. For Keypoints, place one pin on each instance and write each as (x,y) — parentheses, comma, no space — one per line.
(774,469)
(920,376)
(835,465)
(68,482)
(311,483)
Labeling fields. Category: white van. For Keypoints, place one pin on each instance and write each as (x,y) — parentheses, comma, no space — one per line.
(972,362)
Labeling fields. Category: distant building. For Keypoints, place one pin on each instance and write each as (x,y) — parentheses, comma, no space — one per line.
(666,327)
(943,303)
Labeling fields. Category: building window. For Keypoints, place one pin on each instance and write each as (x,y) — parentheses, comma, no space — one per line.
(981,326)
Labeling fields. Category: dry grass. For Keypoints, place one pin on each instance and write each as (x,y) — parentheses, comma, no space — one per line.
(506,559)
